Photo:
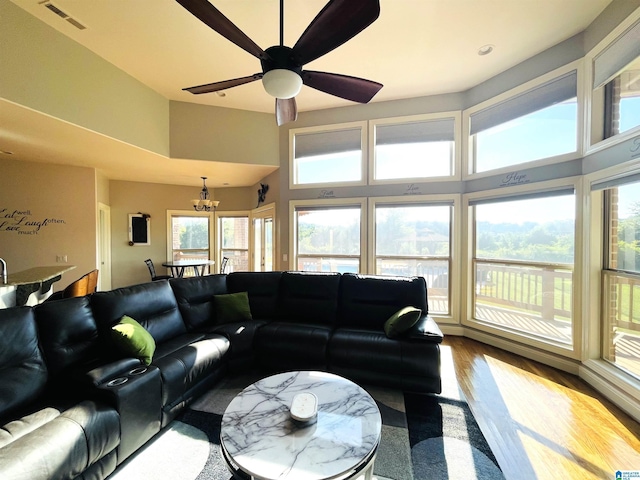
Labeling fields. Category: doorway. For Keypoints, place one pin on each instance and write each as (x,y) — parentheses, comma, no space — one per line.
(262,237)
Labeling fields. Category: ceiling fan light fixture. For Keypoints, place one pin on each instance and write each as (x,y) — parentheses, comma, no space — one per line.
(282,83)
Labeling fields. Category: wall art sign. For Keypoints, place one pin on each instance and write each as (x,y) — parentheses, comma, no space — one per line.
(514,178)
(22,222)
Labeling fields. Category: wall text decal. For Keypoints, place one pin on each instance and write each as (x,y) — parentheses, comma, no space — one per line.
(635,148)
(514,178)
(21,222)
(326,194)
(412,189)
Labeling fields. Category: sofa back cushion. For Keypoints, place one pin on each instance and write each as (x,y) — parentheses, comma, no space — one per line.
(309,297)
(23,374)
(263,289)
(68,334)
(367,301)
(153,305)
(195,298)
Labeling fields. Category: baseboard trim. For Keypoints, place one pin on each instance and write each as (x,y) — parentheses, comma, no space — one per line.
(596,376)
(532,353)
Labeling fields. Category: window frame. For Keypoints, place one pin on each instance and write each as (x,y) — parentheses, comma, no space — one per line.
(468,147)
(322,129)
(573,350)
(453,200)
(408,119)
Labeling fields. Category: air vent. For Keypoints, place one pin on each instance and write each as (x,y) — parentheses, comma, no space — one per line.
(62,14)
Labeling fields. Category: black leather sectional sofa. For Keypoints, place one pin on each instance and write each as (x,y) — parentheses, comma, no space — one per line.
(73,407)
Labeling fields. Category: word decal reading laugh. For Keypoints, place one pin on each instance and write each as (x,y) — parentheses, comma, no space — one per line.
(22,222)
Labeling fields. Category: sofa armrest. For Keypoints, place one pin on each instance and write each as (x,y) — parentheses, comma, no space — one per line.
(105,373)
(426,329)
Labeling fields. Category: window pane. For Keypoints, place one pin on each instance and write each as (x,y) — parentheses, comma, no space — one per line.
(622,97)
(235,232)
(190,232)
(414,240)
(333,156)
(328,239)
(544,234)
(625,228)
(545,133)
(417,149)
(414,160)
(520,282)
(329,231)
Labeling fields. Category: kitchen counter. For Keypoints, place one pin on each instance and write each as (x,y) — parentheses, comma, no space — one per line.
(31,286)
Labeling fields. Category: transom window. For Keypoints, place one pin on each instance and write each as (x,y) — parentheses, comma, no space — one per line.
(539,123)
(334,155)
(413,148)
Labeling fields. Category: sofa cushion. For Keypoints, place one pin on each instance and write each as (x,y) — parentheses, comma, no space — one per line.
(292,346)
(232,307)
(133,340)
(263,289)
(309,297)
(64,446)
(367,301)
(68,336)
(152,304)
(23,375)
(195,298)
(371,357)
(402,321)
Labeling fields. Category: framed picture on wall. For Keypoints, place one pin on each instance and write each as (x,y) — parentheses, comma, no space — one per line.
(139,229)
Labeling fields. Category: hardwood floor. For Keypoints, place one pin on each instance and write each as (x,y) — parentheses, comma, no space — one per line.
(542,423)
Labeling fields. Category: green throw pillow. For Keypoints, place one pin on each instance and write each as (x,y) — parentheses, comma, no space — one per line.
(401,321)
(232,307)
(132,339)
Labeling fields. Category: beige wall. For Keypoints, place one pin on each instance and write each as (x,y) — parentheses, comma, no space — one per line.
(127,263)
(65,197)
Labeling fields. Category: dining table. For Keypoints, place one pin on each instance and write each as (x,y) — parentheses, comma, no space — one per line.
(198,265)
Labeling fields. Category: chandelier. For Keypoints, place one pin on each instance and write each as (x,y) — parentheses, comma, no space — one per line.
(204,203)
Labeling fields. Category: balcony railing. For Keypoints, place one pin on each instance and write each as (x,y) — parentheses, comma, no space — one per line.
(532,297)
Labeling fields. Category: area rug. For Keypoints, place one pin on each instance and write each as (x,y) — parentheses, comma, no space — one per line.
(423,437)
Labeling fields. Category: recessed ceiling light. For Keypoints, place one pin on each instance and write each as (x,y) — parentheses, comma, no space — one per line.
(485,49)
(5,152)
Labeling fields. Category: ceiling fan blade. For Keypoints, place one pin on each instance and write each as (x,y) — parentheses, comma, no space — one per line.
(217,86)
(343,86)
(212,17)
(286,110)
(337,22)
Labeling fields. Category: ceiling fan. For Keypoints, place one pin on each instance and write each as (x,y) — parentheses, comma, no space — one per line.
(282,74)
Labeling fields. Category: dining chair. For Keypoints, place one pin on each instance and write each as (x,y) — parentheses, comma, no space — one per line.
(152,271)
(223,265)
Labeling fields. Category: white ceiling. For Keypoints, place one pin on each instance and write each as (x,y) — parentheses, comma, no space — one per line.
(415,48)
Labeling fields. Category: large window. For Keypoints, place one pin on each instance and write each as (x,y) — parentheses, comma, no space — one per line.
(234,241)
(328,238)
(413,148)
(539,123)
(333,155)
(523,264)
(415,239)
(621,285)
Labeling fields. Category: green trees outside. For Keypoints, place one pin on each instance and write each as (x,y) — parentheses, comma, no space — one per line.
(629,240)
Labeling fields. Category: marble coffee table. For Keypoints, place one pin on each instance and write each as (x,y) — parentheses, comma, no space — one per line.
(259,439)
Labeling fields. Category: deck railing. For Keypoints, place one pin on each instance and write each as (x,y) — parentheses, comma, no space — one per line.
(538,288)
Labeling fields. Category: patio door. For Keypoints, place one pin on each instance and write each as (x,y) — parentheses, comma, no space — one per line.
(263,229)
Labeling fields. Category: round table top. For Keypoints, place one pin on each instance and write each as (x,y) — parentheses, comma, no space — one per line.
(261,438)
